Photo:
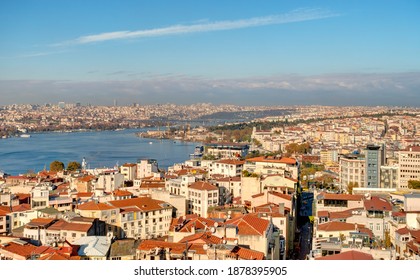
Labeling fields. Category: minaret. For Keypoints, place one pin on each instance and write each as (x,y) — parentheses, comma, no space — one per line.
(84,164)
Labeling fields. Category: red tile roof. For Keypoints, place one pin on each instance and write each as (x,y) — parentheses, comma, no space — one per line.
(349,255)
(4,210)
(95,206)
(77,227)
(202,238)
(402,231)
(143,203)
(87,178)
(272,159)
(412,149)
(85,194)
(323,214)
(257,195)
(54,256)
(197,223)
(337,196)
(174,248)
(413,246)
(377,204)
(343,214)
(338,226)
(229,179)
(281,195)
(122,193)
(40,222)
(247,254)
(24,250)
(249,224)
(399,214)
(203,186)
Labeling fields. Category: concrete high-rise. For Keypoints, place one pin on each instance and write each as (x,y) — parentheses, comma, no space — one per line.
(375,157)
(409,162)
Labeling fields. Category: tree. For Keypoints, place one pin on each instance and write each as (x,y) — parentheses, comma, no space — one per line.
(56,166)
(414,184)
(351,186)
(73,166)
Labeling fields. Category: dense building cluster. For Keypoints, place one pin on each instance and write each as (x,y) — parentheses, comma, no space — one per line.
(233,201)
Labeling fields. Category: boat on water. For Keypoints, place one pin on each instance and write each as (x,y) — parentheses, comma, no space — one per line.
(25,135)
(150,143)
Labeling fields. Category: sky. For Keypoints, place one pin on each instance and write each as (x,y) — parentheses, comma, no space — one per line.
(224,52)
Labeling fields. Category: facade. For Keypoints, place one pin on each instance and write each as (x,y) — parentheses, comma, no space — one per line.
(4,219)
(375,158)
(146,168)
(352,170)
(409,161)
(40,197)
(201,196)
(329,156)
(227,167)
(129,170)
(389,177)
(143,217)
(108,181)
(226,150)
(269,165)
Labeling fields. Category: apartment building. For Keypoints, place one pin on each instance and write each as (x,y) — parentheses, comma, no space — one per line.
(201,196)
(375,158)
(267,165)
(146,168)
(226,150)
(143,217)
(409,161)
(227,167)
(389,177)
(129,170)
(352,170)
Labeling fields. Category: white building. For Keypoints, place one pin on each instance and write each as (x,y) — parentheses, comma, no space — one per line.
(201,196)
(352,170)
(143,217)
(129,170)
(146,168)
(409,161)
(108,181)
(227,167)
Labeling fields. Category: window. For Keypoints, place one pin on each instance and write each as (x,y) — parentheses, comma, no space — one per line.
(378,226)
(371,226)
(73,235)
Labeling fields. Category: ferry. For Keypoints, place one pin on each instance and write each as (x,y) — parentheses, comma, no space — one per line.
(25,135)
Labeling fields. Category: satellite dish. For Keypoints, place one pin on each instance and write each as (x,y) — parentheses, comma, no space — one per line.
(224,241)
(216,224)
(236,241)
(205,247)
(213,229)
(229,212)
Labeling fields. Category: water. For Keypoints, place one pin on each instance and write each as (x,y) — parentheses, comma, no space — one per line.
(100,148)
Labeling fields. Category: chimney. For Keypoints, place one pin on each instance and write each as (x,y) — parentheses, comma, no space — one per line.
(281,208)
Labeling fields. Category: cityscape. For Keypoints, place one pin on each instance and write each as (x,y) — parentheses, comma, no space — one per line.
(260,130)
(322,183)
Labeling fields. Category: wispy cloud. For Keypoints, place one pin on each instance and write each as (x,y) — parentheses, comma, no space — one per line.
(35,54)
(297,15)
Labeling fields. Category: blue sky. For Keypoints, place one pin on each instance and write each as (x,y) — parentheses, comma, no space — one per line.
(242,52)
